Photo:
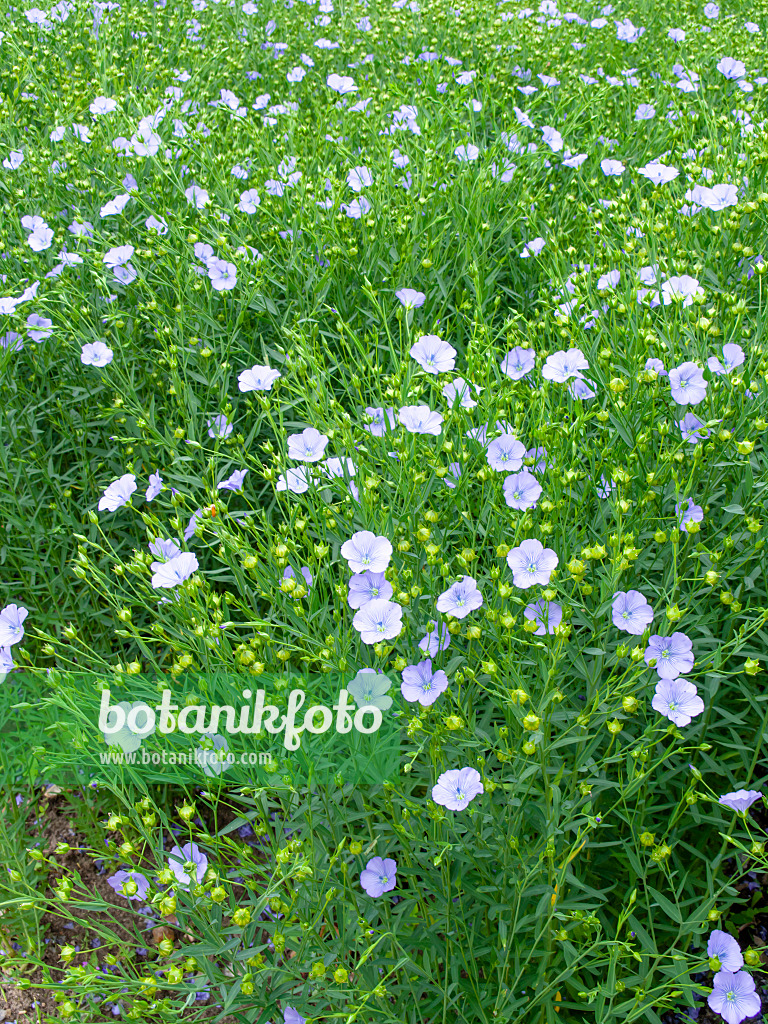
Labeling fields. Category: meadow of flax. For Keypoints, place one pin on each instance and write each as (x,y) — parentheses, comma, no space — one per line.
(417,350)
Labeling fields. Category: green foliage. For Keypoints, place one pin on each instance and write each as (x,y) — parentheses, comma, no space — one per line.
(582,883)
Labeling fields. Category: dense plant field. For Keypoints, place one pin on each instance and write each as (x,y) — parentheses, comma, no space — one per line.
(421,339)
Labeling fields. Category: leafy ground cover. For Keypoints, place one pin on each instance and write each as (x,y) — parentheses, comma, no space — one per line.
(419,339)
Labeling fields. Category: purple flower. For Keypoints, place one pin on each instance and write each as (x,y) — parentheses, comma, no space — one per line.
(433,354)
(359,178)
(341,84)
(505,453)
(733,356)
(532,248)
(531,563)
(155,486)
(378,620)
(294,480)
(365,551)
(381,421)
(234,482)
(547,614)
(175,571)
(192,524)
(96,353)
(687,384)
(368,586)
(613,168)
(455,788)
(605,488)
(677,700)
(458,390)
(452,477)
(165,549)
(249,200)
(673,654)
(731,68)
(39,327)
(631,612)
(308,446)
(119,879)
(580,390)
(741,800)
(6,662)
(117,256)
(726,949)
(357,208)
(521,490)
(688,512)
(683,287)
(379,876)
(656,365)
(539,456)
(12,340)
(733,996)
(561,366)
(460,599)
(421,684)
(420,419)
(334,468)
(518,362)
(369,689)
(692,428)
(466,153)
(411,299)
(118,493)
(197,196)
(434,642)
(291,1016)
(189,858)
(219,426)
(11,628)
(257,378)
